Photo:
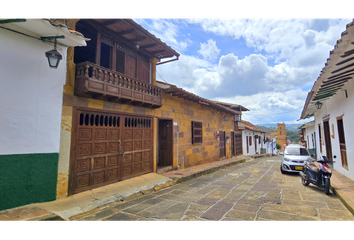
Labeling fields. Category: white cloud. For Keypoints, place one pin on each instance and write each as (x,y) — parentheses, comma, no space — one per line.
(299,48)
(209,50)
(278,37)
(268,106)
(241,76)
(167,31)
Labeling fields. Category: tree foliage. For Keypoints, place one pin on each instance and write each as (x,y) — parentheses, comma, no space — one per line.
(292,135)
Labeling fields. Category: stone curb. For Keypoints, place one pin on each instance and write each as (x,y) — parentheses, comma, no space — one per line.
(343,197)
(206,171)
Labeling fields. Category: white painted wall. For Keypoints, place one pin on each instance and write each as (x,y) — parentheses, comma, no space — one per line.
(30,95)
(311,137)
(252,149)
(271,148)
(337,106)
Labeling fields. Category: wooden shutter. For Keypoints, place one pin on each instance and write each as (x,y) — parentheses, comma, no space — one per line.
(259,139)
(197,132)
(143,71)
(130,66)
(120,61)
(250,138)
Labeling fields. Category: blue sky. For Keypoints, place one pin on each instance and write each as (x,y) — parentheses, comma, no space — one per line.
(267,65)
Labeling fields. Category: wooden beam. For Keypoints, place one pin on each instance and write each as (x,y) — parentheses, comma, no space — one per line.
(341,74)
(159,51)
(345,67)
(323,96)
(334,83)
(205,103)
(109,22)
(338,78)
(149,45)
(126,31)
(137,39)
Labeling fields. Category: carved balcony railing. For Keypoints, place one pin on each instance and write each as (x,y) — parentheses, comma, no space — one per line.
(101,83)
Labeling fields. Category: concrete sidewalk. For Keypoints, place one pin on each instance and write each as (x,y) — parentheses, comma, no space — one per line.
(88,202)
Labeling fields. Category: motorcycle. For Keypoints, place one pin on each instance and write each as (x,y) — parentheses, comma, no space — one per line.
(318,173)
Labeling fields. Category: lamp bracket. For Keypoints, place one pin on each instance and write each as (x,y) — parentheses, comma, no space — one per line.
(52,37)
(49,38)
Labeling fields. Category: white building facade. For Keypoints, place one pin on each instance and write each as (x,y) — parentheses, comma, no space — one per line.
(31,104)
(253,140)
(331,103)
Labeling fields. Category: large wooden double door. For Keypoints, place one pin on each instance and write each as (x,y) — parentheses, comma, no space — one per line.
(108,147)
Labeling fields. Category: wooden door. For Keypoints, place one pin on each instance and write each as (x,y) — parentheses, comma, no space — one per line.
(165,143)
(247,144)
(222,145)
(106,149)
(238,144)
(233,144)
(343,148)
(137,145)
(327,137)
(255,144)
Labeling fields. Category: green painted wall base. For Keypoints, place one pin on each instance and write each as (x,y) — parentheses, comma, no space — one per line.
(27,178)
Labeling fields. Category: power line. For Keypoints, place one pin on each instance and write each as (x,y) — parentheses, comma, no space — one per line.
(272,114)
(161,76)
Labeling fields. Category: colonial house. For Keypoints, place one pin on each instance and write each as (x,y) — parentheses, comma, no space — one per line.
(308,136)
(253,139)
(119,122)
(31,96)
(331,102)
(270,143)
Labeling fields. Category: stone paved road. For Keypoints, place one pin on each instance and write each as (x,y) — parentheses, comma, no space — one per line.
(252,191)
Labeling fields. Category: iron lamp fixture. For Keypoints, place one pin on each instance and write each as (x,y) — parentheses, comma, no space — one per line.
(226,118)
(318,105)
(53,56)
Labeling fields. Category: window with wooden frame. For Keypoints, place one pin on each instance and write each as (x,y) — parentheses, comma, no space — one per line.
(250,140)
(197,132)
(259,139)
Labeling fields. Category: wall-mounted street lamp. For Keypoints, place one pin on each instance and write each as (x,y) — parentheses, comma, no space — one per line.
(318,105)
(53,56)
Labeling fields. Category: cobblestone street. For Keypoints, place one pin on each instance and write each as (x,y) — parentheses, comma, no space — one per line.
(252,191)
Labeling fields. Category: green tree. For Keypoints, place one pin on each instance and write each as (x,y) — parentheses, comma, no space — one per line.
(278,146)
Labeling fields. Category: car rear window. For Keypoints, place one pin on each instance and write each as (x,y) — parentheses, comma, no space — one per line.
(296,151)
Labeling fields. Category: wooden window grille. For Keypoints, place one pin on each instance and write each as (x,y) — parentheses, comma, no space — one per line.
(250,139)
(197,132)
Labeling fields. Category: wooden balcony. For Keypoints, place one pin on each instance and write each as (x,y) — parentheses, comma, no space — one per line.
(97,82)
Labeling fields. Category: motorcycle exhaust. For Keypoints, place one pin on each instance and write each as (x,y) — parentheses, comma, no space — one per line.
(303,175)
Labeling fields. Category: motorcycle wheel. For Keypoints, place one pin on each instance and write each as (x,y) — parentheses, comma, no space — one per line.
(304,182)
(327,185)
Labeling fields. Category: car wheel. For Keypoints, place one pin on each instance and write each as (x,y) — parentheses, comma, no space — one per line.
(281,170)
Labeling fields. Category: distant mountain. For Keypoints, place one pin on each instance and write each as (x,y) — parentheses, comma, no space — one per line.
(267,129)
(274,125)
(291,130)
